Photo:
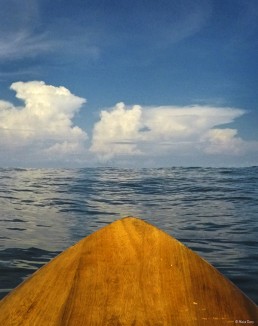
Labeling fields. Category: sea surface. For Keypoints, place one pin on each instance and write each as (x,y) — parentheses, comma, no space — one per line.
(214,211)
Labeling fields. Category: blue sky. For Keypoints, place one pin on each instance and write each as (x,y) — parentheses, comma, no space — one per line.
(128,83)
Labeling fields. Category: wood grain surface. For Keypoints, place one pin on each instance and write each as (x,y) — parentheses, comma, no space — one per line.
(127,273)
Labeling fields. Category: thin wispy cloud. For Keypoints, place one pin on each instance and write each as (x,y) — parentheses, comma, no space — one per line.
(29,36)
(23,34)
(19,73)
(24,44)
(18,30)
(188,18)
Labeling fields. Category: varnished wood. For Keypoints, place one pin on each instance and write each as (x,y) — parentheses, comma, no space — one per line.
(128,273)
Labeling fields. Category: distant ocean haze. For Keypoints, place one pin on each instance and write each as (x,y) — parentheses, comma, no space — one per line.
(212,210)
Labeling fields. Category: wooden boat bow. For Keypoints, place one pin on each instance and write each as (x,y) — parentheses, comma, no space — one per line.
(127,273)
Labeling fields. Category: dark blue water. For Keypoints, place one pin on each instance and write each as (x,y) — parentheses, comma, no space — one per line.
(213,211)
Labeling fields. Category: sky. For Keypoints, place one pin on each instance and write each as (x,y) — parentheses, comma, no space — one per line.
(128,83)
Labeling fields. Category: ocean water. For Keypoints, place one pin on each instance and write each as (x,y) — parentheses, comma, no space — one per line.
(214,211)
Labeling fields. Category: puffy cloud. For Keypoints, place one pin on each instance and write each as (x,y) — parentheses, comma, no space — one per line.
(41,132)
(223,141)
(166,130)
(116,131)
(44,123)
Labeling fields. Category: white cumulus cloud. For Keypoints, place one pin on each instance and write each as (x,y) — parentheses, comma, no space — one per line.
(43,124)
(166,131)
(223,141)
(116,131)
(40,132)
(171,122)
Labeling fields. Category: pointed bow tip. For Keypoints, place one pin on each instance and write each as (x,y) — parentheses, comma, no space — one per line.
(131,220)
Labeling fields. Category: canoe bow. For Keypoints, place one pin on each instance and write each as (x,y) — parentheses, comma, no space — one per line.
(127,273)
